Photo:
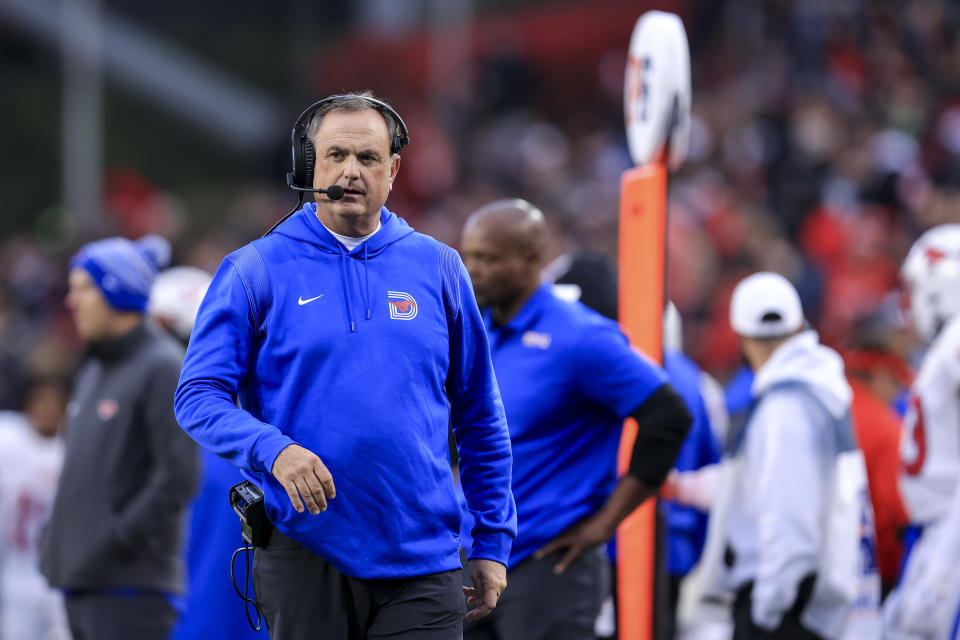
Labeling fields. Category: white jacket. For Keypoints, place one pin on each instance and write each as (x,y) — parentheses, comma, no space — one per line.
(793,500)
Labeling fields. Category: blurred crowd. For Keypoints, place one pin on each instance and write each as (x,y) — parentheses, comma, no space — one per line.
(825,138)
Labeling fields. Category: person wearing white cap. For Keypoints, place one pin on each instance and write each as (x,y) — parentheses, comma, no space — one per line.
(791,518)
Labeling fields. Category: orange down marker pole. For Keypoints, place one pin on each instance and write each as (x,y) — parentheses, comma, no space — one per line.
(643,216)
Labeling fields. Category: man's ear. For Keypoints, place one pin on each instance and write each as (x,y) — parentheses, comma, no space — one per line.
(394,169)
(535,252)
(534,259)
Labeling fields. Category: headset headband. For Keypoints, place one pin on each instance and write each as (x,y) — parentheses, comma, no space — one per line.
(399,141)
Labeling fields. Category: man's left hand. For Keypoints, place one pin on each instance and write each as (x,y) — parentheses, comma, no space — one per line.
(489,580)
(581,537)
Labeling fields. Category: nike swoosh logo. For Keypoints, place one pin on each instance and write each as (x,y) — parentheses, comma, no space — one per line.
(302,302)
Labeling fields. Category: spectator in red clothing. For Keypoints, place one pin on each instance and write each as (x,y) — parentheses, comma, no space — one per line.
(872,370)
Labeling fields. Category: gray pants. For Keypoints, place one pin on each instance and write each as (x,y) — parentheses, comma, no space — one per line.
(539,605)
(97,616)
(302,597)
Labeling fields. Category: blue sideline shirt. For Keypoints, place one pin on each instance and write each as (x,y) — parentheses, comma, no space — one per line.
(568,377)
(686,526)
(213,608)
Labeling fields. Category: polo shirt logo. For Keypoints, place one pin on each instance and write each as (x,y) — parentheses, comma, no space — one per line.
(536,340)
(107,408)
(402,305)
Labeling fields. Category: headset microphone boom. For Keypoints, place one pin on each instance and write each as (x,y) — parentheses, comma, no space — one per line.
(334,192)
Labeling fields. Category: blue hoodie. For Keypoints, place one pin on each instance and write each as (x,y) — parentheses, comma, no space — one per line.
(365,358)
(213,609)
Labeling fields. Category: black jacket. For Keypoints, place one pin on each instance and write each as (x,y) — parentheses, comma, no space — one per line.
(129,471)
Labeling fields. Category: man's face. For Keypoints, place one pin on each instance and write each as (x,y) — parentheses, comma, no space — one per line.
(353,151)
(498,268)
(45,408)
(91,312)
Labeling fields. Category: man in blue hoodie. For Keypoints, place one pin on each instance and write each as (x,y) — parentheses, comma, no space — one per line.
(352,344)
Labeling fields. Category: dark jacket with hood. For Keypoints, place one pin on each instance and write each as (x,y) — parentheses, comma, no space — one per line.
(129,472)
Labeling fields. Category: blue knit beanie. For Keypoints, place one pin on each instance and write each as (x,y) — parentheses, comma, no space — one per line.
(124,269)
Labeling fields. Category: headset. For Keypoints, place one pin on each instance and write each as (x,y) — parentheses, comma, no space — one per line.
(304,154)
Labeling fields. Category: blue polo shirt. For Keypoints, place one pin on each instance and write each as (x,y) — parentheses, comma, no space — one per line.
(568,377)
(686,526)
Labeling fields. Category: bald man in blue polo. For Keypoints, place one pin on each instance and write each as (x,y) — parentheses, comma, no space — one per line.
(568,378)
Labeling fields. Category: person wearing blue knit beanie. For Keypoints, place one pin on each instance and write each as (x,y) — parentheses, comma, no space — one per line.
(114,541)
(122,269)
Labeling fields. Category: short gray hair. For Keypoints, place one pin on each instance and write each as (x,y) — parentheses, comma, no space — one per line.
(352,102)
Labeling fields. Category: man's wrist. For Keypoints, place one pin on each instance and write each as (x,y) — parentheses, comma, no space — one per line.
(474,560)
(266,449)
(491,545)
(630,493)
(607,520)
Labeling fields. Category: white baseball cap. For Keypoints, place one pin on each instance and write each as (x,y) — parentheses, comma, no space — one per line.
(765,305)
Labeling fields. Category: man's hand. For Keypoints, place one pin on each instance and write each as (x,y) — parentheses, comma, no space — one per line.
(581,537)
(489,580)
(669,489)
(600,527)
(302,474)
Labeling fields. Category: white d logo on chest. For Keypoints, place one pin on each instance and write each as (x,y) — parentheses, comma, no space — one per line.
(402,305)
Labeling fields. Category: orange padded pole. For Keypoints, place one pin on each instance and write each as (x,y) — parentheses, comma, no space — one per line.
(643,215)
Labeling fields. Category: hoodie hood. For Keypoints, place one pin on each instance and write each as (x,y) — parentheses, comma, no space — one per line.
(802,359)
(304,226)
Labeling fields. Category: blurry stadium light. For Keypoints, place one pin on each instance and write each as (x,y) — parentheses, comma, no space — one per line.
(246,119)
(82,111)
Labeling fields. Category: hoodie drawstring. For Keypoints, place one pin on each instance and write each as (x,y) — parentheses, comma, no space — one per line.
(366,280)
(346,289)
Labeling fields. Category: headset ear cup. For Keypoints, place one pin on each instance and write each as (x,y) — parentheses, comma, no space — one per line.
(299,162)
(309,155)
(400,140)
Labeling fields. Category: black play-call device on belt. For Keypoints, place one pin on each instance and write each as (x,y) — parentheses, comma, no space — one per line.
(246,499)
